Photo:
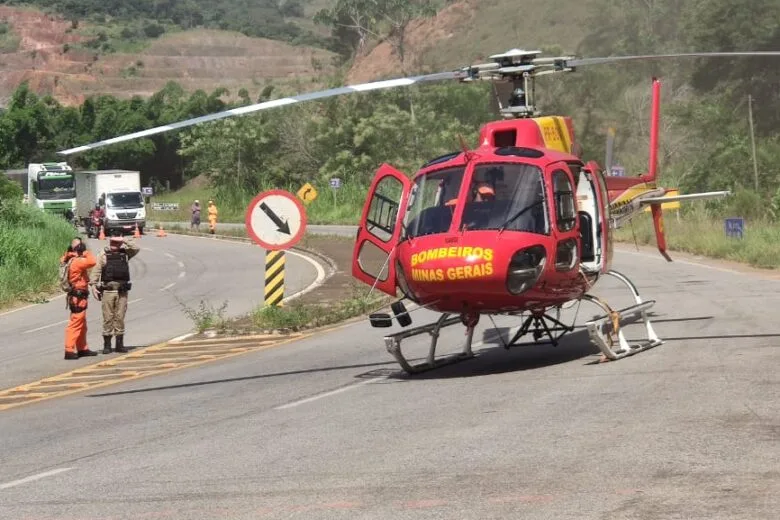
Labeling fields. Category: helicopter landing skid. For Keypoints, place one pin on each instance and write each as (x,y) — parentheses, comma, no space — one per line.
(602,329)
(393,344)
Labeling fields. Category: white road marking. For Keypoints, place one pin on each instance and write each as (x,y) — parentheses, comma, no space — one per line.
(31,305)
(66,321)
(46,326)
(328,394)
(33,478)
(316,283)
(168,286)
(181,274)
(170,256)
(181,264)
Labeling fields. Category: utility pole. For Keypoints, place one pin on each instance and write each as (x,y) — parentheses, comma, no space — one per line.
(753,141)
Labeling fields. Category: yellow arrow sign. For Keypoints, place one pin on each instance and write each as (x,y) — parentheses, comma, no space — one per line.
(307,193)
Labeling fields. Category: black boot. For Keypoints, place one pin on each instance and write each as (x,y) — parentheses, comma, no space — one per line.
(106,344)
(120,343)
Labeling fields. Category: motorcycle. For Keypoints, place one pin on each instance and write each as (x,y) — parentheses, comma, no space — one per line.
(93,224)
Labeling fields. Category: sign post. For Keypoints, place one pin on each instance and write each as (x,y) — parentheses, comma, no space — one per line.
(335,184)
(735,227)
(617,171)
(276,221)
(307,193)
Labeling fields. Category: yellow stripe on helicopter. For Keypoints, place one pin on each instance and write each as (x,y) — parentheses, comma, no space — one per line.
(668,205)
(554,132)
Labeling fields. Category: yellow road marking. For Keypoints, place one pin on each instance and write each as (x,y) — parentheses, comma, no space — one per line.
(152,360)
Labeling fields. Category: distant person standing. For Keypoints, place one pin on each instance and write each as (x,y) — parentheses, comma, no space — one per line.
(195,222)
(212,217)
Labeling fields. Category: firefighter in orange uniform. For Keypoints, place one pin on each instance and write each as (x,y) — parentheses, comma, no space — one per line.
(78,276)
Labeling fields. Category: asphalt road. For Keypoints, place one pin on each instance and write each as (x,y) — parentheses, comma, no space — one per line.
(325,427)
(168,274)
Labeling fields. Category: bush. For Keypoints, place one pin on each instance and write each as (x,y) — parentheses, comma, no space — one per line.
(31,243)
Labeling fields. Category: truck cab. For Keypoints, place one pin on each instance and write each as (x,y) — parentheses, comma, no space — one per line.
(124,210)
(52,187)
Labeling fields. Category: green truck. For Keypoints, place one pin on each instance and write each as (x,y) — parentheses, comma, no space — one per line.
(52,188)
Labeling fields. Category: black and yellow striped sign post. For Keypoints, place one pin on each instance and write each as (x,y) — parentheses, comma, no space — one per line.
(276,221)
(274,278)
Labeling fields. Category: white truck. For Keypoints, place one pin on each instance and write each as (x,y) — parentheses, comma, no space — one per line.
(118,192)
(51,187)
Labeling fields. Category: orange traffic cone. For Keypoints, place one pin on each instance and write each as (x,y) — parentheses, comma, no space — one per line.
(161,232)
(136,233)
(102,235)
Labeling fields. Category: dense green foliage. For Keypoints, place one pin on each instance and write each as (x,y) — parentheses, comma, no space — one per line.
(31,243)
(261,18)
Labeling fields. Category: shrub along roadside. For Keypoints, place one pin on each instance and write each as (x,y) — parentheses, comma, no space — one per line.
(31,243)
(703,235)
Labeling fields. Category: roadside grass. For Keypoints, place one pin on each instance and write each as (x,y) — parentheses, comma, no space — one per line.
(298,316)
(342,206)
(206,316)
(703,235)
(31,243)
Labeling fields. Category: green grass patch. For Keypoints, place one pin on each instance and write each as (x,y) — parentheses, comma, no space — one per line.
(107,36)
(9,40)
(206,316)
(706,236)
(299,315)
(31,243)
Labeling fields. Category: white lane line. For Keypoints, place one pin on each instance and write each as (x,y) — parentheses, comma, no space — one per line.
(181,274)
(328,394)
(181,264)
(33,478)
(46,327)
(316,283)
(685,262)
(170,256)
(66,321)
(32,305)
(168,286)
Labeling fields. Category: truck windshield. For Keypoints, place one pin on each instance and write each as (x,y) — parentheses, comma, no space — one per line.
(56,188)
(124,200)
(506,196)
(432,202)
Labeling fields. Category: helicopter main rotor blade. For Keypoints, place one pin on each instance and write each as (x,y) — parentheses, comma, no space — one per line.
(610,59)
(362,87)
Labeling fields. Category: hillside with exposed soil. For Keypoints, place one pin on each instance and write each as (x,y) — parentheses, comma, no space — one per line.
(45,51)
(469,31)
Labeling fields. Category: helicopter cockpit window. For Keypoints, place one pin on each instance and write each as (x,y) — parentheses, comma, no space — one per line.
(506,196)
(432,202)
(565,208)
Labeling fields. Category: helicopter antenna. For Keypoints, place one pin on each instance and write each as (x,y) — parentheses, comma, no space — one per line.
(465,147)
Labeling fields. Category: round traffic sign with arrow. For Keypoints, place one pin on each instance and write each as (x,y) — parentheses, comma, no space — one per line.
(276,220)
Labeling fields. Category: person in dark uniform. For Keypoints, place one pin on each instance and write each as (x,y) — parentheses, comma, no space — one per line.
(110,282)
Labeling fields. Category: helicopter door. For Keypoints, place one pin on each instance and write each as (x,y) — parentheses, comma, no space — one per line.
(373,258)
(594,222)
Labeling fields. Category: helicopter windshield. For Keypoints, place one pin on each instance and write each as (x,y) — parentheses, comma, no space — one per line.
(432,202)
(506,196)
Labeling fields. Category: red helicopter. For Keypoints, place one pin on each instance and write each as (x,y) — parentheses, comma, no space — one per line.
(519,226)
